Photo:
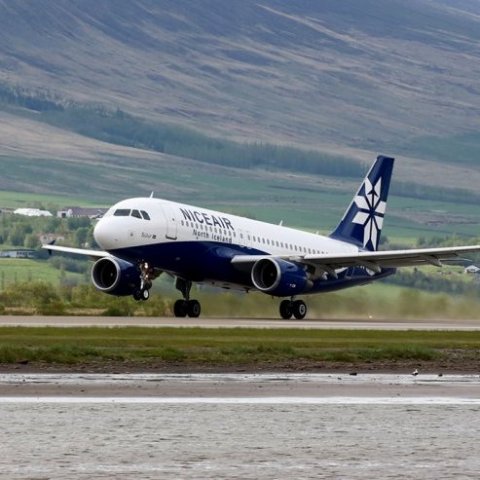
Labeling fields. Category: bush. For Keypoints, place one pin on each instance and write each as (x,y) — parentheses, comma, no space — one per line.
(51,308)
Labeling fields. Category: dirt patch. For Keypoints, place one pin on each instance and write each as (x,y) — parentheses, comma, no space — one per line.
(452,364)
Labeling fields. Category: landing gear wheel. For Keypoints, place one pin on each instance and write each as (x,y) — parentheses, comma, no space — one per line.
(286,309)
(180,308)
(142,294)
(185,307)
(194,308)
(299,309)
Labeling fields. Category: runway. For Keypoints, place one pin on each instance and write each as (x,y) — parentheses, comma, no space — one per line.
(261,323)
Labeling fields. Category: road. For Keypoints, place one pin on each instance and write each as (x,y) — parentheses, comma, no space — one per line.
(359,324)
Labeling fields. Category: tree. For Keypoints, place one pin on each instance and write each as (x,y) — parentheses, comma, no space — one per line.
(17,236)
(31,241)
(81,236)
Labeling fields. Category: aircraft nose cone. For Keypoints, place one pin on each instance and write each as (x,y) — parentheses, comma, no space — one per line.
(102,234)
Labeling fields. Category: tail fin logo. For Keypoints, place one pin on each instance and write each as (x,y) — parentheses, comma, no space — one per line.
(362,223)
(371,212)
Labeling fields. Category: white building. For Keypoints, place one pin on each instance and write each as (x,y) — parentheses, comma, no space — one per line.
(32,212)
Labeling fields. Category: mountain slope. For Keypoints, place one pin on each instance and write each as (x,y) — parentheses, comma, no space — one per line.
(350,79)
(369,75)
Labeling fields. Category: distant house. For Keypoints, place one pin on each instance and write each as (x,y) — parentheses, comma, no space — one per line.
(32,212)
(75,212)
(472,270)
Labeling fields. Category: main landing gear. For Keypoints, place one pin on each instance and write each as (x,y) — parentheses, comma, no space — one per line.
(297,308)
(186,307)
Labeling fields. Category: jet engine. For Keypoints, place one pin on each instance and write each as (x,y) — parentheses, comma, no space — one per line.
(115,276)
(280,278)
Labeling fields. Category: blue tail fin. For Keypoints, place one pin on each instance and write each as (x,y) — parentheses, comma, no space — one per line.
(362,222)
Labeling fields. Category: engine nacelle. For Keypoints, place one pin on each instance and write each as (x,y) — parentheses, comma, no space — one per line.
(116,277)
(279,277)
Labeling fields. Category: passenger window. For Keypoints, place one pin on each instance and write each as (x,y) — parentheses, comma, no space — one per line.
(122,212)
(136,214)
(146,216)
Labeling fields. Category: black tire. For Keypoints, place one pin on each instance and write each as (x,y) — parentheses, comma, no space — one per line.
(180,308)
(137,295)
(286,309)
(141,295)
(194,309)
(299,309)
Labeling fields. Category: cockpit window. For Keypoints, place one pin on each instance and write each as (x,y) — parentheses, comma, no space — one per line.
(122,212)
(125,212)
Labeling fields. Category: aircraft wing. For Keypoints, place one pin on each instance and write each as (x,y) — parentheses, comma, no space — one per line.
(77,251)
(374,261)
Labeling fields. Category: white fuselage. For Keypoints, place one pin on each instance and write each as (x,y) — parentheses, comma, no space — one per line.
(145,222)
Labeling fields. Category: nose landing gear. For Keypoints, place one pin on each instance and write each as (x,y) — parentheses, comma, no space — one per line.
(147,275)
(297,308)
(186,307)
(141,294)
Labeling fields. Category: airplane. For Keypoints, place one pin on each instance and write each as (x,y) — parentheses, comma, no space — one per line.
(142,238)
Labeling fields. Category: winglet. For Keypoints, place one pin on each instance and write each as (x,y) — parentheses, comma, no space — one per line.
(362,222)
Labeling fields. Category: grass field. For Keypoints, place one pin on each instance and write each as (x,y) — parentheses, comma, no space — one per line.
(13,270)
(20,199)
(222,348)
(377,300)
(298,201)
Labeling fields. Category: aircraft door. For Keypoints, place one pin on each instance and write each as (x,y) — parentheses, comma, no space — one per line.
(170,216)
